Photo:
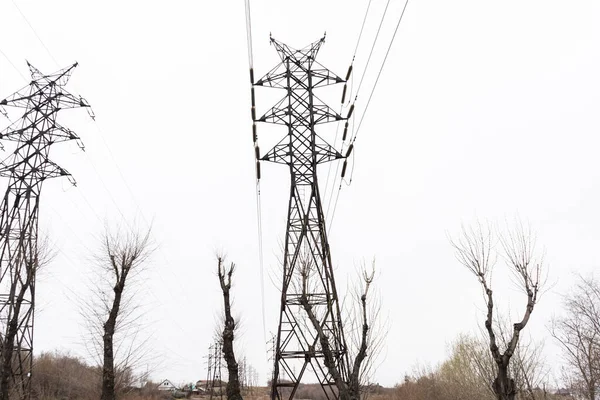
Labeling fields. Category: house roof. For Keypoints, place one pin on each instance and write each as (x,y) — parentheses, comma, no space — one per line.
(167,384)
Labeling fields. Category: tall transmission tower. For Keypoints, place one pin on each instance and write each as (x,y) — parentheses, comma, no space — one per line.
(308,296)
(20,255)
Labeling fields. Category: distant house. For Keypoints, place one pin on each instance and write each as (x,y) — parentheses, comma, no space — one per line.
(167,386)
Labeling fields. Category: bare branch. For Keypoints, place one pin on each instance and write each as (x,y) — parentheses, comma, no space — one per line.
(475,249)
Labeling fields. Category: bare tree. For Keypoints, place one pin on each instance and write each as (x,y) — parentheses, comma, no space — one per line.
(366,331)
(476,250)
(112,313)
(233,385)
(578,333)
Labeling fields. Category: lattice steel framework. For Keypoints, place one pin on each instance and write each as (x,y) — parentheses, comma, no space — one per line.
(307,269)
(209,368)
(217,364)
(26,169)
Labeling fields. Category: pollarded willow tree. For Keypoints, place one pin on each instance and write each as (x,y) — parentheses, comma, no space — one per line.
(478,249)
(225,274)
(112,313)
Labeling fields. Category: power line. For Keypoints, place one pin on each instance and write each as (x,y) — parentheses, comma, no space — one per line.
(355,133)
(258,200)
(380,70)
(120,171)
(337,168)
(35,32)
(260,256)
(335,140)
(13,65)
(249,32)
(372,48)
(361,29)
(2,110)
(337,197)
(337,131)
(356,95)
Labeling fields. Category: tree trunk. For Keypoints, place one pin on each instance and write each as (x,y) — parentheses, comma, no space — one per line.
(233,385)
(108,369)
(108,365)
(9,343)
(354,383)
(328,358)
(7,356)
(504,386)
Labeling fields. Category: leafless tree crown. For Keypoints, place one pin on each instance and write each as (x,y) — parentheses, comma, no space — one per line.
(477,249)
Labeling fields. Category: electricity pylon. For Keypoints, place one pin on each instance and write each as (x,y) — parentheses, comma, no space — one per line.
(20,255)
(308,296)
(209,368)
(216,373)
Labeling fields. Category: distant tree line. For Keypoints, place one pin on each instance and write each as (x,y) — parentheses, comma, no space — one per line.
(58,376)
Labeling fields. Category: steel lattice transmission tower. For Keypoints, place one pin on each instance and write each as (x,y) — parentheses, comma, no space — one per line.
(308,281)
(217,364)
(26,169)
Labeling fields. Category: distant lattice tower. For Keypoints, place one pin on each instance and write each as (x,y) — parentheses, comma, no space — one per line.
(217,364)
(209,367)
(308,280)
(20,255)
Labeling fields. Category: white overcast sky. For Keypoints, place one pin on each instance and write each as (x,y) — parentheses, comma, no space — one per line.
(484,109)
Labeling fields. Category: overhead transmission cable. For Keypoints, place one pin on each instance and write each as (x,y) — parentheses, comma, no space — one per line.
(335,178)
(361,29)
(372,49)
(13,65)
(34,32)
(258,200)
(335,140)
(342,107)
(249,33)
(355,133)
(2,110)
(380,71)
